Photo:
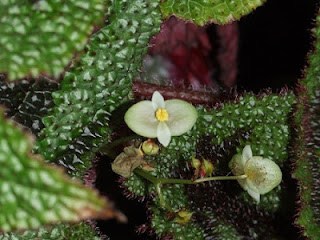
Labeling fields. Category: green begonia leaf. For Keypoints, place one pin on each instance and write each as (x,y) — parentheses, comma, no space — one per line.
(307,144)
(203,11)
(80,231)
(26,101)
(42,36)
(78,125)
(32,193)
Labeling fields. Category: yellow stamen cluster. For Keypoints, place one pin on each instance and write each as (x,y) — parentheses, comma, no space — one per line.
(162,114)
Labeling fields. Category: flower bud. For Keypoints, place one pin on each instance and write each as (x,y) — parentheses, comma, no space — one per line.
(207,168)
(202,173)
(183,217)
(150,148)
(195,163)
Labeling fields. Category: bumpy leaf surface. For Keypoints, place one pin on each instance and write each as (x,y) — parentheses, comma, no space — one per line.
(32,193)
(308,144)
(79,231)
(204,11)
(27,101)
(90,93)
(42,36)
(224,210)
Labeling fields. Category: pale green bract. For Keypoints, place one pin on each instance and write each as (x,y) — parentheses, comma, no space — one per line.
(141,118)
(263,175)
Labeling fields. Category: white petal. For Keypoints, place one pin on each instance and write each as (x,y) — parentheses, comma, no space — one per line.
(157,101)
(263,174)
(164,135)
(255,195)
(246,153)
(182,116)
(236,165)
(141,119)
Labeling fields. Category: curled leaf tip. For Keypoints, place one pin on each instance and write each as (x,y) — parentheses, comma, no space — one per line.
(127,161)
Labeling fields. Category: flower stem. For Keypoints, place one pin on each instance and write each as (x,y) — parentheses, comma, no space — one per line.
(155,180)
(163,202)
(146,175)
(158,182)
(220,178)
(175,181)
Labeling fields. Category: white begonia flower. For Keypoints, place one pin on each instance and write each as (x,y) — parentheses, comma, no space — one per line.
(161,119)
(262,174)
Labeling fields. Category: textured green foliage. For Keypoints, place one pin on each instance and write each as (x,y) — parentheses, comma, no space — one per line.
(165,226)
(27,101)
(33,193)
(79,231)
(42,36)
(265,122)
(111,69)
(307,147)
(308,167)
(99,85)
(201,12)
(79,124)
(312,73)
(224,231)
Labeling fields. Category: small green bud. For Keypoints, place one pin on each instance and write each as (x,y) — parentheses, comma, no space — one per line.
(183,217)
(207,168)
(195,163)
(150,148)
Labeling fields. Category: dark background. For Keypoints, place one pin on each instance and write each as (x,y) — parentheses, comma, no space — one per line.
(274,42)
(273,45)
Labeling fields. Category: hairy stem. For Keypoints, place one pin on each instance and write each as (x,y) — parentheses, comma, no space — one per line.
(146,175)
(146,90)
(163,202)
(158,182)
(155,180)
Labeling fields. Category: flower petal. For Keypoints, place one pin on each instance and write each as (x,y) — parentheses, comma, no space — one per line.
(255,195)
(263,174)
(141,119)
(246,153)
(236,165)
(182,116)
(164,135)
(157,101)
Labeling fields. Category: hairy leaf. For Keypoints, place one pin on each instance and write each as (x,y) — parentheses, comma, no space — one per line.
(80,231)
(42,36)
(201,12)
(90,93)
(32,193)
(27,101)
(307,146)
